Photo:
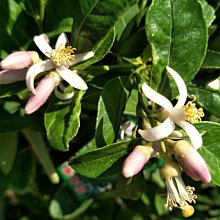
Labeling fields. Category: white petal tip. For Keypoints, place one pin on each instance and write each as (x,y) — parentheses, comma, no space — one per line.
(85,87)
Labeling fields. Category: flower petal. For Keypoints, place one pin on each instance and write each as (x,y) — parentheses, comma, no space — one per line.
(42,43)
(136,160)
(157,97)
(192,132)
(34,70)
(82,57)
(11,76)
(72,78)
(180,85)
(61,41)
(44,88)
(63,96)
(159,132)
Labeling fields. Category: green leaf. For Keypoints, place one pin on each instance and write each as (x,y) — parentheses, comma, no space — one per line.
(178,35)
(30,7)
(11,89)
(23,174)
(131,104)
(62,121)
(5,180)
(210,150)
(59,16)
(36,140)
(96,162)
(159,202)
(110,110)
(212,60)
(131,188)
(14,121)
(13,27)
(100,50)
(209,100)
(65,206)
(209,12)
(95,18)
(8,149)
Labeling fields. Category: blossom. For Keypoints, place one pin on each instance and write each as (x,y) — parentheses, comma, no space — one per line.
(178,194)
(176,114)
(60,59)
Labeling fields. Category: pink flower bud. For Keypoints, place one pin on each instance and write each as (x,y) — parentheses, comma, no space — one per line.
(191,161)
(11,76)
(19,60)
(43,91)
(136,160)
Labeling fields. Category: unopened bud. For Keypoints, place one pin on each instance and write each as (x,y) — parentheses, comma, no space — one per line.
(191,161)
(19,60)
(43,91)
(11,76)
(136,160)
(170,170)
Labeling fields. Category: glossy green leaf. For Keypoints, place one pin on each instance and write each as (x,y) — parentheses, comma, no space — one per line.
(14,35)
(110,110)
(62,121)
(96,162)
(173,42)
(131,104)
(94,18)
(8,149)
(210,150)
(59,19)
(100,49)
(209,100)
(208,11)
(212,60)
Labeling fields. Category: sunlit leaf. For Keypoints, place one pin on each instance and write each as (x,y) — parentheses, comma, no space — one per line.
(110,109)
(62,121)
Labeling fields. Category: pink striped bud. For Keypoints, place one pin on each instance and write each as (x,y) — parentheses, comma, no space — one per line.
(136,160)
(191,161)
(19,60)
(11,76)
(43,91)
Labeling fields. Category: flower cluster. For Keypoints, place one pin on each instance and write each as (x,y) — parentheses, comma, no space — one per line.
(165,140)
(26,65)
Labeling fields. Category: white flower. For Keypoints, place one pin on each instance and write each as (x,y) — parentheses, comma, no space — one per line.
(60,59)
(178,194)
(177,114)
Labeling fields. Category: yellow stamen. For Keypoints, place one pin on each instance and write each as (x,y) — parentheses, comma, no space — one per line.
(63,56)
(193,114)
